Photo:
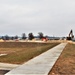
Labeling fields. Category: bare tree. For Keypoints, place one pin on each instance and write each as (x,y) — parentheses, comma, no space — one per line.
(7,37)
(23,36)
(40,35)
(16,37)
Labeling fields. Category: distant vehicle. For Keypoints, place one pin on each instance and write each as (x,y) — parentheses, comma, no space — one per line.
(70,36)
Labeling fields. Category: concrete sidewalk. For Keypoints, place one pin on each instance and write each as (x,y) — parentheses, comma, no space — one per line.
(40,65)
(6,66)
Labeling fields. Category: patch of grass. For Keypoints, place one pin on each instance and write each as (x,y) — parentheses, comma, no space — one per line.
(23,52)
(69,51)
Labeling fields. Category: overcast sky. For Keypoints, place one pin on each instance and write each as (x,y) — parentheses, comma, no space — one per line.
(52,17)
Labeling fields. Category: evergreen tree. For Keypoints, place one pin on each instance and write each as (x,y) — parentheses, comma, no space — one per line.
(30,36)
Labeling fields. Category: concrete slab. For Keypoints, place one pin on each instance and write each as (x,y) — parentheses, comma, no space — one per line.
(6,66)
(40,65)
(3,54)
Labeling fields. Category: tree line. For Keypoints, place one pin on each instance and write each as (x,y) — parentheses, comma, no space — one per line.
(23,37)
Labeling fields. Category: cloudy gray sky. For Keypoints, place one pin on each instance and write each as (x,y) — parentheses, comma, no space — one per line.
(52,17)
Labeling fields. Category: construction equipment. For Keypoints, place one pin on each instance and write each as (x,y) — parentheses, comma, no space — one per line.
(70,36)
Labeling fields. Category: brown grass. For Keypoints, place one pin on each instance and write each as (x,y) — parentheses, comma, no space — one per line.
(20,52)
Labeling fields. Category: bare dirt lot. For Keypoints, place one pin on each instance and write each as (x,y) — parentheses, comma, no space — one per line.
(65,65)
